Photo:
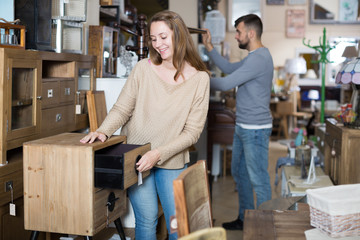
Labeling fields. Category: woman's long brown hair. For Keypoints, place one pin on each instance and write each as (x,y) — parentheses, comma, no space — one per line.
(184,48)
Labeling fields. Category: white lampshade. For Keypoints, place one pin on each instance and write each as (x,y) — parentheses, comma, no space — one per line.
(313,94)
(310,74)
(350,72)
(295,65)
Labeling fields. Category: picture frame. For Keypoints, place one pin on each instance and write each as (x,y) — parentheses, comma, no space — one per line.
(348,10)
(275,2)
(296,2)
(238,8)
(295,23)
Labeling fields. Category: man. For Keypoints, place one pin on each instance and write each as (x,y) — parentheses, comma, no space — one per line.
(253,77)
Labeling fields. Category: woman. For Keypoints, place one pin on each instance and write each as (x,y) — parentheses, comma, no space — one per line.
(164,102)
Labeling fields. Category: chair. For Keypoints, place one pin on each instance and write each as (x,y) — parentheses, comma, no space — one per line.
(192,199)
(216,233)
(289,109)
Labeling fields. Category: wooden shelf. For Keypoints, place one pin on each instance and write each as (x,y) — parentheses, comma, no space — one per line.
(7,27)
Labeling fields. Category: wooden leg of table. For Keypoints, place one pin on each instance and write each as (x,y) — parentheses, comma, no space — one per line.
(34,235)
(284,126)
(120,228)
(224,160)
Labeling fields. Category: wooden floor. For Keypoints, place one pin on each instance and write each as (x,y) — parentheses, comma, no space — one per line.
(224,196)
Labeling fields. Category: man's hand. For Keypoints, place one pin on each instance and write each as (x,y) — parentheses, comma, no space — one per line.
(206,39)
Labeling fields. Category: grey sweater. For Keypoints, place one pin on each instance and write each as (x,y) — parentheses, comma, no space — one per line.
(253,76)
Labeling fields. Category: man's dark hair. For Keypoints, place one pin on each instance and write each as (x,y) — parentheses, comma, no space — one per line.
(251,21)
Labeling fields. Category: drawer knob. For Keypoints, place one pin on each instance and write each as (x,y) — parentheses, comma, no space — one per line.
(333,151)
(58,117)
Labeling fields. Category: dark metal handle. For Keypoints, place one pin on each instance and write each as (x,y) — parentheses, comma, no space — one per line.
(136,161)
(111,201)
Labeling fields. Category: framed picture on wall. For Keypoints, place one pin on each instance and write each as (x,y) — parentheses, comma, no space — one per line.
(348,10)
(275,2)
(295,23)
(296,2)
(238,8)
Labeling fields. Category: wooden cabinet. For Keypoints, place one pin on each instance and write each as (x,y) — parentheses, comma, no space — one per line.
(220,127)
(38,98)
(38,95)
(342,162)
(60,175)
(103,43)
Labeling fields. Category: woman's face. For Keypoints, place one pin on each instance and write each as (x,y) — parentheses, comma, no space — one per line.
(161,38)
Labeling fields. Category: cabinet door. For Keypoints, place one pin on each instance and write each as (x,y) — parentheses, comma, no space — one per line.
(23,98)
(86,75)
(12,227)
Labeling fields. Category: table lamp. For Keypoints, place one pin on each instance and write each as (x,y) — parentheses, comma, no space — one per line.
(350,74)
(313,95)
(294,67)
(350,52)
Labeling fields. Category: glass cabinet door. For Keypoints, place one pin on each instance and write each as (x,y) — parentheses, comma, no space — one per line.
(86,76)
(23,81)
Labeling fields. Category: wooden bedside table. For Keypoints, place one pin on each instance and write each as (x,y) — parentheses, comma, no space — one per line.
(59,185)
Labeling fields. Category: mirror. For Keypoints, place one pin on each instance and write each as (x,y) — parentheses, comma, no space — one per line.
(335,11)
(313,74)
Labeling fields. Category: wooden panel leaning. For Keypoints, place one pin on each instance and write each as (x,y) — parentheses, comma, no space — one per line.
(59,186)
(192,199)
(96,108)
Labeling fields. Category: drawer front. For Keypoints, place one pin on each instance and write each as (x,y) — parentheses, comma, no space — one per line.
(60,117)
(333,137)
(50,94)
(131,157)
(115,165)
(67,94)
(102,214)
(320,133)
(17,183)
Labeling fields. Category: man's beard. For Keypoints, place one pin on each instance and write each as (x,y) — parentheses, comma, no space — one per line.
(244,45)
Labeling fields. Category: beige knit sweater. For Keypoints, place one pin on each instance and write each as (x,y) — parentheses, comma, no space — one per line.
(170,117)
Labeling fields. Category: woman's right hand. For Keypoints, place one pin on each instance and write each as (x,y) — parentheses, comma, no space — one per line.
(92,136)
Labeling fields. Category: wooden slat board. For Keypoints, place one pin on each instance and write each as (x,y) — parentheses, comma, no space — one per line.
(258,224)
(192,199)
(96,108)
(275,224)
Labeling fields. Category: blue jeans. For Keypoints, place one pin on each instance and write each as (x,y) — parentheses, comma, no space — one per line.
(249,166)
(144,200)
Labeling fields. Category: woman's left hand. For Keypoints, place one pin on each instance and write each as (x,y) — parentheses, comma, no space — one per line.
(148,161)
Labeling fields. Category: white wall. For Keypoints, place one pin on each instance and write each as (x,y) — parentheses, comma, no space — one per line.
(187,9)
(274,37)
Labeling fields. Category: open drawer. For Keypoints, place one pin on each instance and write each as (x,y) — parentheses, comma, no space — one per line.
(115,166)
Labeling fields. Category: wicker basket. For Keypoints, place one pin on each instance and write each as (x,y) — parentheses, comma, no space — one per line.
(335,210)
